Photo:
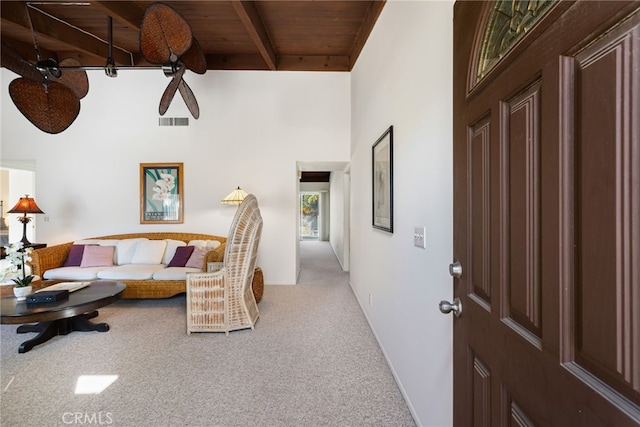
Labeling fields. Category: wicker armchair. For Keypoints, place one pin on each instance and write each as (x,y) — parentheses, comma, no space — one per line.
(223,301)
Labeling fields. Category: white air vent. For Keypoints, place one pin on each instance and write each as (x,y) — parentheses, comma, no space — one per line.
(173,121)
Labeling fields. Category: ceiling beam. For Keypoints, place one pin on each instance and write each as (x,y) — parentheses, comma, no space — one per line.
(15,13)
(248,13)
(28,48)
(368,23)
(127,13)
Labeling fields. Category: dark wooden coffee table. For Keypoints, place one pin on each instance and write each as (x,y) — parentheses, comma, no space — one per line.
(60,318)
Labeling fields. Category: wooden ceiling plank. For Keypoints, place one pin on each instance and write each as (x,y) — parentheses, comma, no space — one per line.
(368,23)
(313,63)
(250,17)
(126,13)
(15,13)
(236,62)
(242,34)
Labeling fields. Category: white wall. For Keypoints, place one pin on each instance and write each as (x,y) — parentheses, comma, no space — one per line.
(338,235)
(253,128)
(404,78)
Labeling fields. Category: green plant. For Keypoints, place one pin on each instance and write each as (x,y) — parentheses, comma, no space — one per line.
(25,281)
(309,204)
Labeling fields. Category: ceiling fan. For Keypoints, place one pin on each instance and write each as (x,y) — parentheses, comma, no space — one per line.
(48,96)
(48,92)
(166,39)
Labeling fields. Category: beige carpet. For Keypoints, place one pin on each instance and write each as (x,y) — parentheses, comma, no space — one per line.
(311,361)
(319,265)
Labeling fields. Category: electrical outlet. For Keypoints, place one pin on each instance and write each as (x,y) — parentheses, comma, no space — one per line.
(418,237)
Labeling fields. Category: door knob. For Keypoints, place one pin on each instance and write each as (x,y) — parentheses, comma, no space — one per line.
(446,307)
(455,269)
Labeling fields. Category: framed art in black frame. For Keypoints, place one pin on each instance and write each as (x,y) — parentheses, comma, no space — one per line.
(382,181)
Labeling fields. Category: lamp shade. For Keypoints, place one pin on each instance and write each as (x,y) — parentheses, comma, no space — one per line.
(26,205)
(235,197)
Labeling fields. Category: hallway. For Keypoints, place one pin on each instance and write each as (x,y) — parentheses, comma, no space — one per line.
(319,265)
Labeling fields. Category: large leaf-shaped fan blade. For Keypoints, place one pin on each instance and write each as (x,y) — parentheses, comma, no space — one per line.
(170,91)
(163,32)
(189,99)
(194,58)
(76,80)
(50,108)
(14,61)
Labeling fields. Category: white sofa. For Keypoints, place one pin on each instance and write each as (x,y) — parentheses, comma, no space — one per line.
(134,259)
(139,260)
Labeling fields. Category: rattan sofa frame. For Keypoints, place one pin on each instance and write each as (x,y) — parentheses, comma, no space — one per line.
(55,256)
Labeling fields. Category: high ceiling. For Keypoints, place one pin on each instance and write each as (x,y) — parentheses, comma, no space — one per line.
(235,35)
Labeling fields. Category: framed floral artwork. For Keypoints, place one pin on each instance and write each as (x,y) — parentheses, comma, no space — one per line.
(161,193)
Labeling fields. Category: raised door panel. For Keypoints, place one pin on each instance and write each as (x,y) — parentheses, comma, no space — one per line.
(520,188)
(478,210)
(607,214)
(481,396)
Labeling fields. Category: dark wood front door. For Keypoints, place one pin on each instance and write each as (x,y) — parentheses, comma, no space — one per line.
(547,213)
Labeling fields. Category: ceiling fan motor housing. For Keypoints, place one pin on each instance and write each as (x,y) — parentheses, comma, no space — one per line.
(171,68)
(49,68)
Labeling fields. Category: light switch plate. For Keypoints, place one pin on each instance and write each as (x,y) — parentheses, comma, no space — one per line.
(418,237)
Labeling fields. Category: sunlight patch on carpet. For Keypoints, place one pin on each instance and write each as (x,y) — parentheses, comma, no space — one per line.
(94,384)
